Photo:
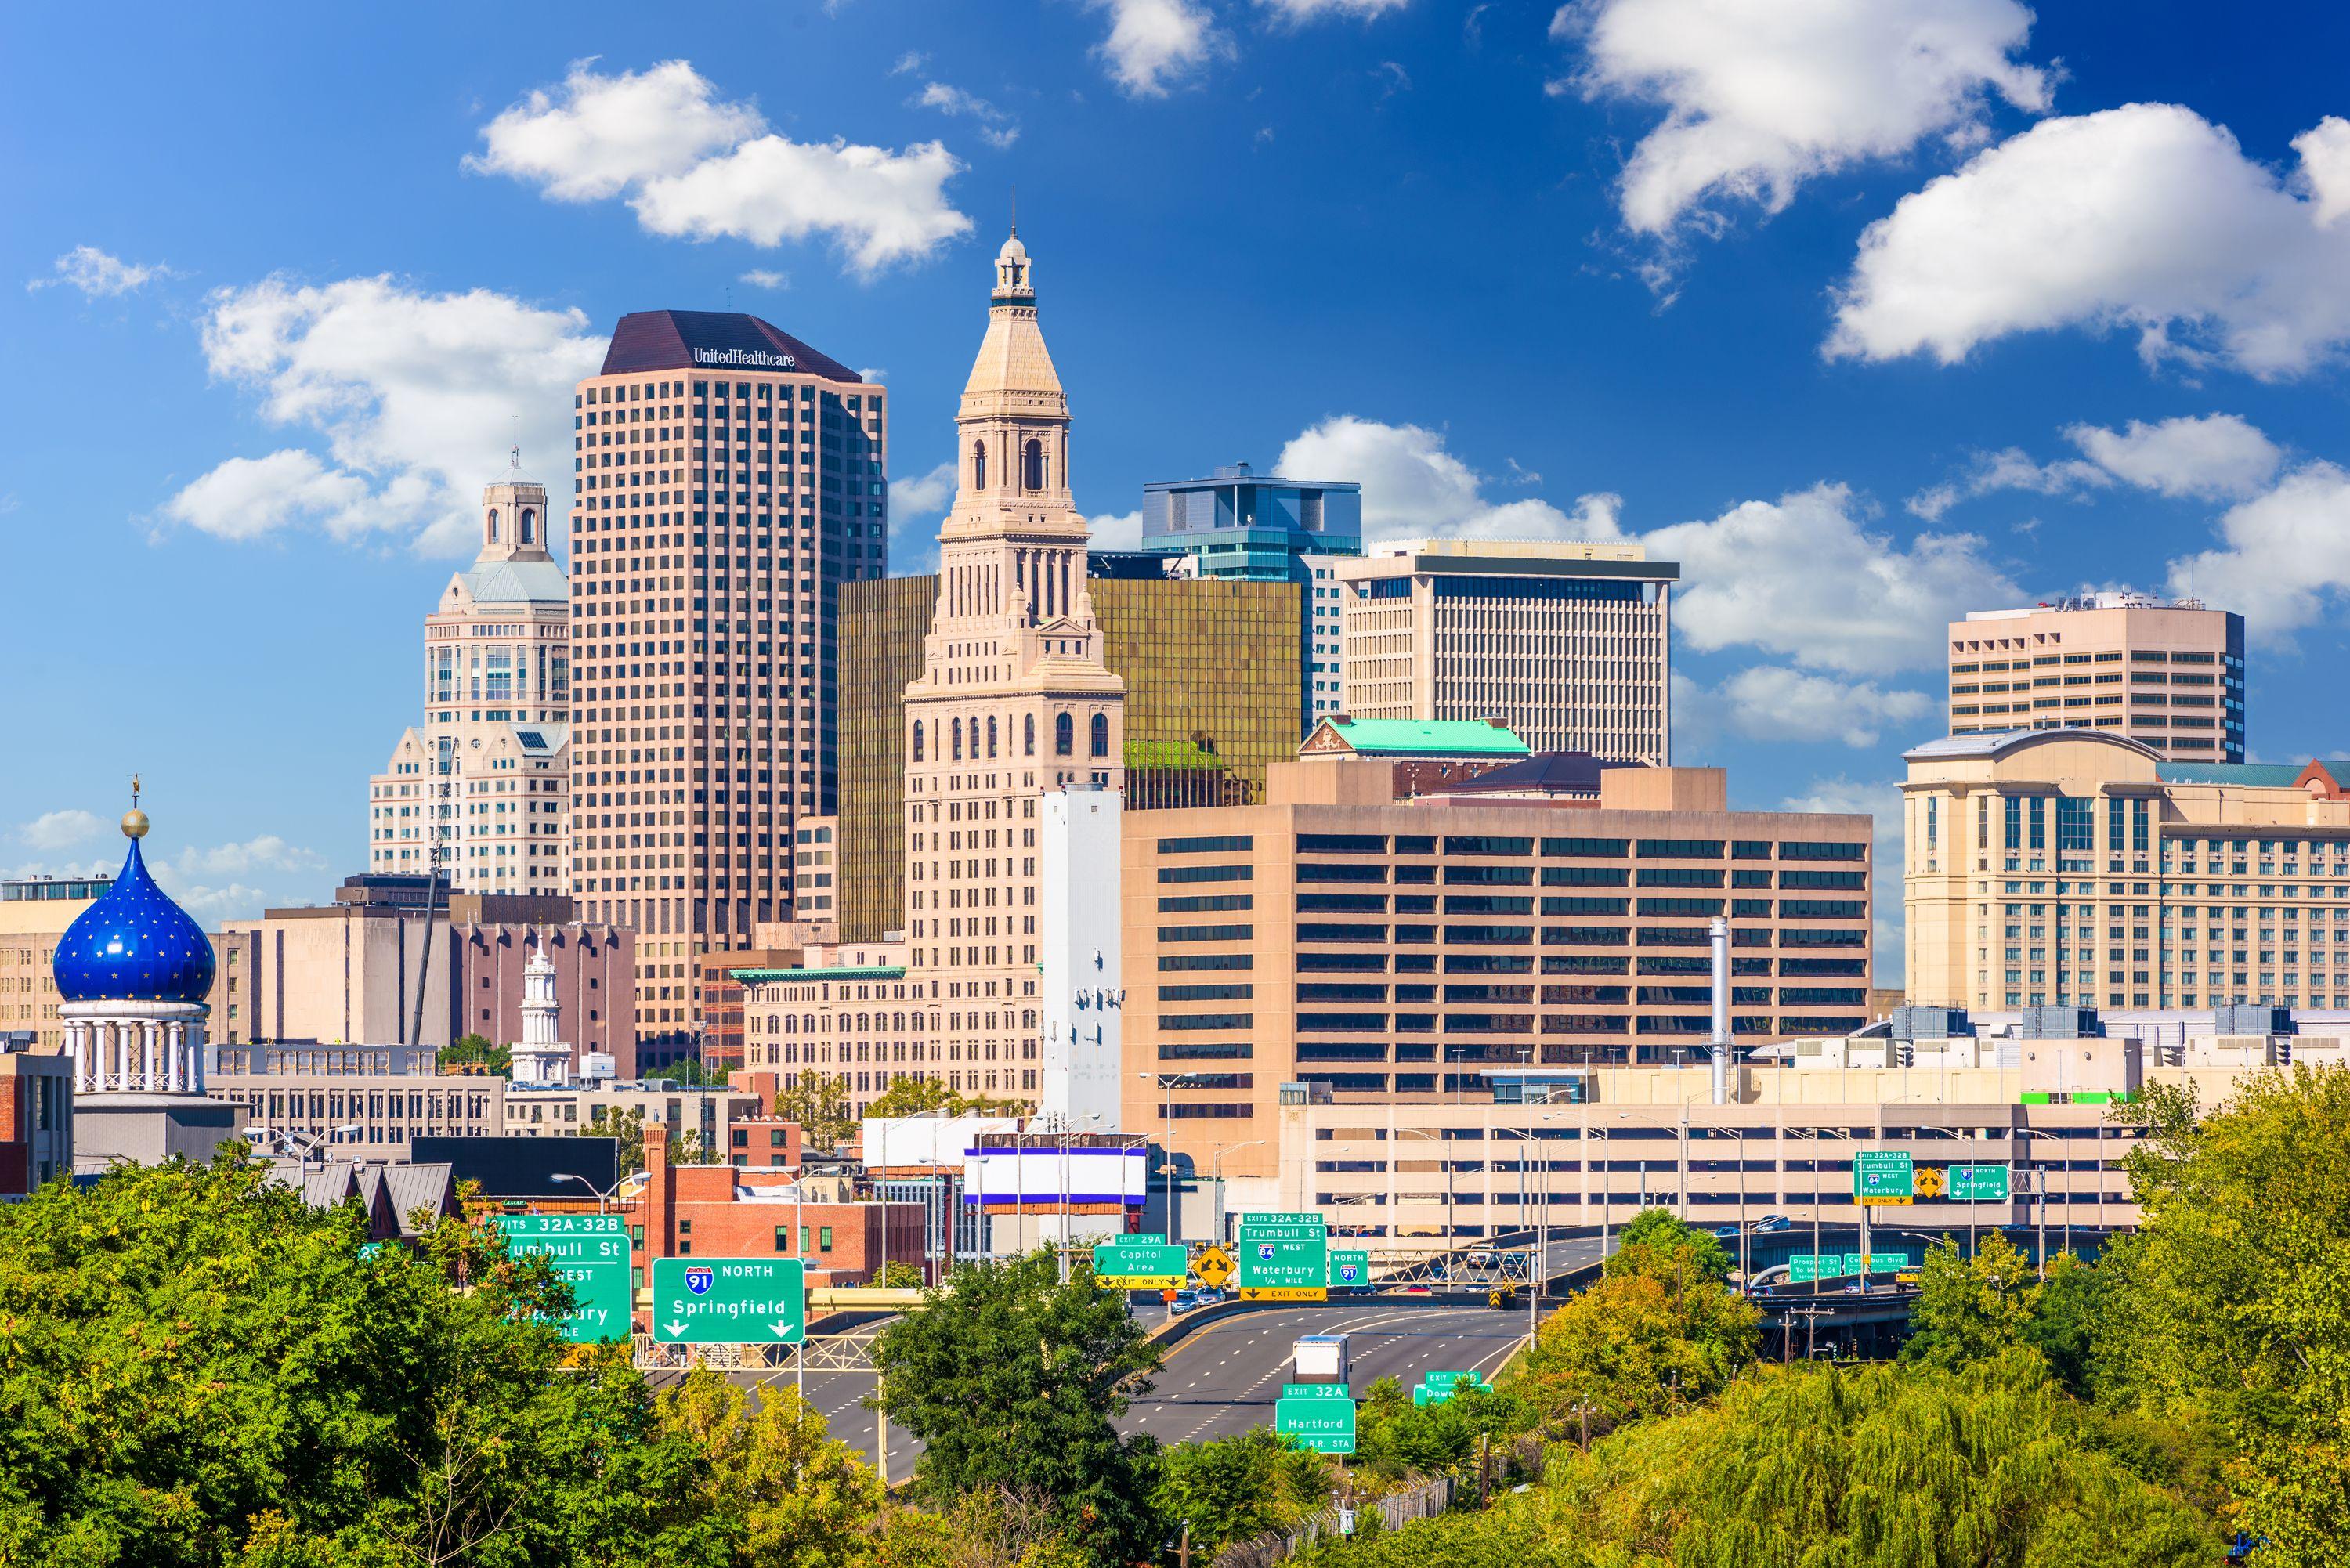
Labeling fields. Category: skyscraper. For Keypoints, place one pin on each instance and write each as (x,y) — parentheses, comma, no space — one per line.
(729,480)
(2169,674)
(1012,701)
(486,773)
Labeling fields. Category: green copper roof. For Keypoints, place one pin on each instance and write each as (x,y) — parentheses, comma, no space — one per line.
(1429,738)
(764,976)
(2252,775)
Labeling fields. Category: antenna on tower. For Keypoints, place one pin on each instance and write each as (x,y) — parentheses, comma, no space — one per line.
(1015,209)
(513,452)
(134,792)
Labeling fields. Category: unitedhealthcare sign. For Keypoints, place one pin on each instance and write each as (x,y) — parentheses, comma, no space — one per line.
(743,359)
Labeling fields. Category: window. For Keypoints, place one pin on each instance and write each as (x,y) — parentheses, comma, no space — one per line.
(956,729)
(1028,735)
(1032,466)
(493,524)
(1101,734)
(979,465)
(917,740)
(824,1239)
(990,734)
(1065,734)
(528,525)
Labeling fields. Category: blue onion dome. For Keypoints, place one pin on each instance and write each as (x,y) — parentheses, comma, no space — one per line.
(134,944)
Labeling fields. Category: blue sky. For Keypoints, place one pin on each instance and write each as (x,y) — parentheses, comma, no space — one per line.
(1870,311)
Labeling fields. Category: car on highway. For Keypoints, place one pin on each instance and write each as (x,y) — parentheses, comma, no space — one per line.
(1770,1223)
(1727,1232)
(1416,1289)
(1185,1301)
(1209,1296)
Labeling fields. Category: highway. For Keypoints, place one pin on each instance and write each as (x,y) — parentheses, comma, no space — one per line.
(1223,1376)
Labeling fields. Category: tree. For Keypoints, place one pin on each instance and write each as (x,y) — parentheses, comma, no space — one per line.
(2228,1305)
(1012,1380)
(1971,1309)
(909,1096)
(898,1276)
(1657,1242)
(1237,1488)
(819,1104)
(627,1127)
(2070,1318)
(784,1493)
(1396,1439)
(1654,1334)
(476,1049)
(198,1369)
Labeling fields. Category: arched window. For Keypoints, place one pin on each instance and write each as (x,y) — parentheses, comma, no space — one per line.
(528,526)
(991,735)
(956,732)
(979,465)
(1032,466)
(1065,734)
(493,524)
(1029,736)
(1101,734)
(917,740)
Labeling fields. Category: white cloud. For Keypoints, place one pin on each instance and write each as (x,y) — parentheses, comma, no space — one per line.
(246,497)
(213,906)
(909,62)
(100,275)
(1301,11)
(1759,98)
(267,852)
(600,135)
(1117,531)
(1413,488)
(2009,469)
(1154,43)
(767,277)
(2216,456)
(1773,703)
(2146,217)
(924,495)
(59,829)
(1800,578)
(995,126)
(696,168)
(2285,560)
(414,394)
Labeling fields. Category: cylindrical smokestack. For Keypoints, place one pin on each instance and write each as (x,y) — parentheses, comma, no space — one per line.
(1721,1044)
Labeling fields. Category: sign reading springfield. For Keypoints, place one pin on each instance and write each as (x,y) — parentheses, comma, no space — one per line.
(729,1301)
(1283,1258)
(590,1253)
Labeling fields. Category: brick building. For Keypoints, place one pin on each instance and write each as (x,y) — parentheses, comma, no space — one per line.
(710,1212)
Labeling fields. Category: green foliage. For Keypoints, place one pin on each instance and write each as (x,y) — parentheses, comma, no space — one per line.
(1011,1381)
(628,1128)
(1658,1242)
(2230,1304)
(473,1049)
(819,1104)
(2070,1318)
(1971,1309)
(197,1369)
(1656,1332)
(1395,1439)
(918,1096)
(1237,1488)
(775,1488)
(901,1277)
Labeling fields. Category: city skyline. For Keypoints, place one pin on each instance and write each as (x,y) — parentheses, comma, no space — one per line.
(268,480)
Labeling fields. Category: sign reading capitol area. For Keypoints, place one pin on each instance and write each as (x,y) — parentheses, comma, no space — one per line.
(590,1253)
(1283,1258)
(1136,1263)
(729,1301)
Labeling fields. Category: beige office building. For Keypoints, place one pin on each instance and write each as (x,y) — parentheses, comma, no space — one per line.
(730,479)
(2168,674)
(2081,868)
(363,1102)
(1013,699)
(478,791)
(1393,951)
(33,914)
(1568,644)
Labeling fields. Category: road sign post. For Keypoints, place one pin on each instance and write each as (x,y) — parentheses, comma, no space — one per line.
(1322,1423)
(1216,1267)
(1883,1176)
(590,1253)
(729,1301)
(1436,1388)
(1139,1263)
(1283,1258)
(1979,1183)
(1350,1270)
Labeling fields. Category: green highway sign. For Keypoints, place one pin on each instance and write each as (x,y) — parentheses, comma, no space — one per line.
(1809,1267)
(1436,1388)
(1316,1391)
(729,1301)
(1326,1426)
(1139,1263)
(1283,1258)
(1856,1263)
(1978,1184)
(1883,1175)
(590,1253)
(1350,1270)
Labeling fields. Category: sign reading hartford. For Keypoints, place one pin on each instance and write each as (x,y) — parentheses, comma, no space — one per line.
(729,1301)
(744,360)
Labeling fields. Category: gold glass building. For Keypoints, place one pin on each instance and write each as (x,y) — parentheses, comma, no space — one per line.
(1211,673)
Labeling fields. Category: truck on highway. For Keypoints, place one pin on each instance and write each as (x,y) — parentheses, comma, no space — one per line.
(1320,1358)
